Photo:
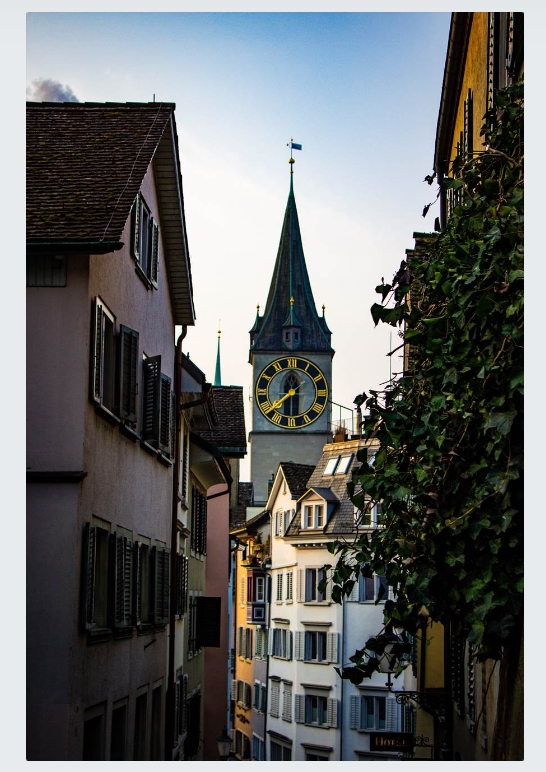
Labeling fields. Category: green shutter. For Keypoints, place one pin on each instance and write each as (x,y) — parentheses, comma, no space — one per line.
(88,579)
(122,581)
(161,585)
(135,228)
(155,253)
(137,589)
(128,374)
(152,399)
(165,415)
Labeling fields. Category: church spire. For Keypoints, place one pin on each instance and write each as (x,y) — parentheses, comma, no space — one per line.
(290,319)
(217,372)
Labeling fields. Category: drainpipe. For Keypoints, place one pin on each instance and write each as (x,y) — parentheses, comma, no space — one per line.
(342,647)
(171,684)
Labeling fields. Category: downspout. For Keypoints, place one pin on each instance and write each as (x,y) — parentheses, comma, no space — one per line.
(342,680)
(171,691)
(169,723)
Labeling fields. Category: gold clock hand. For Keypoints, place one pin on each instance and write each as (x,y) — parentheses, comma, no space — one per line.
(278,402)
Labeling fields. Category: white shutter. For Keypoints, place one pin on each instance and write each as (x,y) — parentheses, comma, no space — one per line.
(275,695)
(332,647)
(328,591)
(242,590)
(332,713)
(355,702)
(271,639)
(392,722)
(290,645)
(299,708)
(353,595)
(234,689)
(299,644)
(299,585)
(287,702)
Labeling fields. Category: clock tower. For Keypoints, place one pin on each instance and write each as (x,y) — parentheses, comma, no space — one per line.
(291,358)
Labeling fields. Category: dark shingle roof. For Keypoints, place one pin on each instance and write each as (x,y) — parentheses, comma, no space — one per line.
(85,165)
(342,520)
(245,499)
(297,476)
(230,434)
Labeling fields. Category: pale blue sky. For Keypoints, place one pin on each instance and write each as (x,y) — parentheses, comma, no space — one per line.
(359,91)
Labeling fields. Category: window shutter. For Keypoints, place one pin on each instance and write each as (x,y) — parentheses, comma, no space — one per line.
(299,585)
(234,689)
(290,644)
(275,698)
(287,702)
(135,229)
(165,415)
(161,585)
(155,253)
(299,708)
(128,373)
(263,704)
(173,428)
(209,611)
(332,647)
(353,596)
(137,589)
(328,591)
(299,644)
(122,580)
(182,584)
(242,590)
(248,695)
(152,399)
(392,723)
(96,386)
(88,583)
(354,713)
(332,713)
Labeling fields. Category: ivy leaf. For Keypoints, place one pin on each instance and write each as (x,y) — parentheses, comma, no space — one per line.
(501,421)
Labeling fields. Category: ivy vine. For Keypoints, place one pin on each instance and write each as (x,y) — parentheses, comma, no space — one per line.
(449,471)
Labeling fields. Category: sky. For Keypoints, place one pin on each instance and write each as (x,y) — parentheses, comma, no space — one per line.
(359,91)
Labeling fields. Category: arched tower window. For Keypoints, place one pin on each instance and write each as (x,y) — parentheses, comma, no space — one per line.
(292,404)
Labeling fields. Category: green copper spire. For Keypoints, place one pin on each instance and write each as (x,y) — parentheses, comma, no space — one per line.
(217,372)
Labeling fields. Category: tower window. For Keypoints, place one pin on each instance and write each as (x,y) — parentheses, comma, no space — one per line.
(292,404)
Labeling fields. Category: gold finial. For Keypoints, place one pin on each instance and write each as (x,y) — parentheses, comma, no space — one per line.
(323,309)
(258,308)
(219,330)
(291,301)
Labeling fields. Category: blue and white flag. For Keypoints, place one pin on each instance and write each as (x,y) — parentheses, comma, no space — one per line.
(295,146)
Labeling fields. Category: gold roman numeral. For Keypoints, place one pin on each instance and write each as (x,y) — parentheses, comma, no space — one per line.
(321,393)
(266,406)
(317,377)
(291,423)
(277,418)
(261,392)
(277,366)
(292,363)
(306,419)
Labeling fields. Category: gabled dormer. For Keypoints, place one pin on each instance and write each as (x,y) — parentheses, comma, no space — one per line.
(317,505)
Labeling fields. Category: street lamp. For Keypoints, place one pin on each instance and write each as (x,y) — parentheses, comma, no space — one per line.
(224,744)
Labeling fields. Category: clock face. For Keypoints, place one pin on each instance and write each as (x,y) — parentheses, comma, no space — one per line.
(291,392)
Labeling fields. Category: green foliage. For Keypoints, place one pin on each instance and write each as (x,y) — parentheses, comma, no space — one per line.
(450,470)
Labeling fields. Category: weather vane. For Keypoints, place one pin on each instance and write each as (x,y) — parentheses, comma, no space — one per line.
(293,146)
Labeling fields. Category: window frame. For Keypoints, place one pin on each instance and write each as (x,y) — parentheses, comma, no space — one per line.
(145,241)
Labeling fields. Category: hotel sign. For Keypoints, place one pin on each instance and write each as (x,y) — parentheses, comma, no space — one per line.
(402,742)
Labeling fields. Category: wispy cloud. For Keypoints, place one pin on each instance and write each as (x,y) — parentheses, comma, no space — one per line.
(47,90)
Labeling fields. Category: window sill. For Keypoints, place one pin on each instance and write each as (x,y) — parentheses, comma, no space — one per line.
(123,632)
(107,414)
(165,460)
(143,277)
(317,603)
(317,662)
(99,634)
(128,432)
(319,726)
(145,628)
(148,448)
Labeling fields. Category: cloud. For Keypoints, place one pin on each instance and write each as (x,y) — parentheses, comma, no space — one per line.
(47,90)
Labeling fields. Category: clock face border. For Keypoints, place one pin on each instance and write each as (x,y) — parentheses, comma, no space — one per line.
(286,364)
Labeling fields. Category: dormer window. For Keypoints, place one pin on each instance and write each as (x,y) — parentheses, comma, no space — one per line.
(313,515)
(338,465)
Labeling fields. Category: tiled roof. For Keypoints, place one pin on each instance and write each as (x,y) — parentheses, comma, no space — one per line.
(245,499)
(342,520)
(297,476)
(290,280)
(85,165)
(230,434)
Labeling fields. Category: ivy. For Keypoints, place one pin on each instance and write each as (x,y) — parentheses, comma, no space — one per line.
(449,474)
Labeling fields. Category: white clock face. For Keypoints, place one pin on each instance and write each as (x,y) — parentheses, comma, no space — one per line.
(291,392)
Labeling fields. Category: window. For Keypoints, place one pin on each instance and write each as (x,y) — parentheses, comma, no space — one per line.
(313,516)
(279,588)
(315,757)
(244,642)
(344,463)
(258,748)
(372,588)
(93,733)
(372,519)
(119,731)
(279,523)
(141,710)
(198,538)
(315,646)
(256,702)
(287,702)
(291,405)
(289,586)
(46,270)
(104,357)
(280,752)
(313,577)
(145,240)
(193,725)
(372,712)
(331,465)
(243,693)
(260,589)
(180,697)
(316,710)
(281,643)
(193,647)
